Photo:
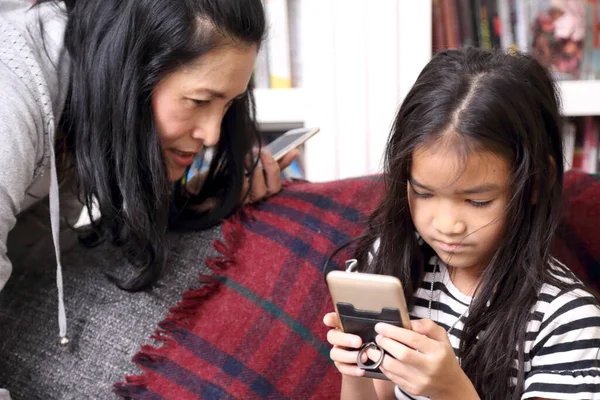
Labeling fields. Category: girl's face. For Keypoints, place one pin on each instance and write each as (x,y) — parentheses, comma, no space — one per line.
(458,207)
(190,103)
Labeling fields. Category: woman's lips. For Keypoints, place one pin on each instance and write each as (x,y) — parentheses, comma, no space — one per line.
(182,158)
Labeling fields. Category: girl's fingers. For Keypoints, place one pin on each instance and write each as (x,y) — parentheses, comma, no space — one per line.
(399,368)
(401,352)
(339,338)
(331,320)
(349,369)
(413,339)
(429,329)
(373,354)
(395,370)
(339,354)
(404,384)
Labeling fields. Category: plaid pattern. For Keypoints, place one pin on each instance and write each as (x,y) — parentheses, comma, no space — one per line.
(261,335)
(577,242)
(255,330)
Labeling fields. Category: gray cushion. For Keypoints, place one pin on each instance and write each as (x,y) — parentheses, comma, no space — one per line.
(106,325)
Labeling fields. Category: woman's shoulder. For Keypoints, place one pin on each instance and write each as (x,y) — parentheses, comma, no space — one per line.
(24,16)
(32,45)
(33,73)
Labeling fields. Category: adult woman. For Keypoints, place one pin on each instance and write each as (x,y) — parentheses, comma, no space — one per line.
(119,97)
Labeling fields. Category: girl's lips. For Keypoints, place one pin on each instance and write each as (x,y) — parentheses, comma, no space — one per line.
(182,159)
(451,247)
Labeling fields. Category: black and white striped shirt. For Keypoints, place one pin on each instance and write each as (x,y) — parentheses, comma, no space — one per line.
(562,349)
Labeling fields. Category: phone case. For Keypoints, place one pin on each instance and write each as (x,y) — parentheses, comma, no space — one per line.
(362,300)
(362,323)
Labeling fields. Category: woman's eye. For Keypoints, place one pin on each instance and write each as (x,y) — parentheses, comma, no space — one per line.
(200,102)
(479,203)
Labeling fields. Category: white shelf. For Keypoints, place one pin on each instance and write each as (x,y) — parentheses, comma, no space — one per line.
(280,106)
(580,98)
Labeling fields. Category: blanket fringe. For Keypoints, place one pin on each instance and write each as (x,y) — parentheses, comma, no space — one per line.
(182,314)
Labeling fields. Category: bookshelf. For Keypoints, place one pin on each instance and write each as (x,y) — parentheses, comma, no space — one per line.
(352,80)
(277,108)
(352,84)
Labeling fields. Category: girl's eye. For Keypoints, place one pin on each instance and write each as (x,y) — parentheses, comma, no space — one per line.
(421,195)
(479,204)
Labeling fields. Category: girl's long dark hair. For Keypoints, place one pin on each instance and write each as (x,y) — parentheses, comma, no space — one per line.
(119,51)
(507,104)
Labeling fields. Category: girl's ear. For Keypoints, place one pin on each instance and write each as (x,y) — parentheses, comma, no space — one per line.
(552,177)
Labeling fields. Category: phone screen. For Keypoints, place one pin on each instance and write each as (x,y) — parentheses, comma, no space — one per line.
(288,141)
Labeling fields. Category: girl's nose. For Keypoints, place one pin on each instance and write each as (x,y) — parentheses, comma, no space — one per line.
(448,225)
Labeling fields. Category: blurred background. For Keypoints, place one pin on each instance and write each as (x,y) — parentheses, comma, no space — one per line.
(346,65)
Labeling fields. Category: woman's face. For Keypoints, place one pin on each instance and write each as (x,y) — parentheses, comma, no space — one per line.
(189,104)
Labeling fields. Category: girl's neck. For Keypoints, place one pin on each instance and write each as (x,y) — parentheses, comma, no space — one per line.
(465,279)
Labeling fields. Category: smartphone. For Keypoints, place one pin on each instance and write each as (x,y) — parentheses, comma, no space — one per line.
(362,300)
(289,141)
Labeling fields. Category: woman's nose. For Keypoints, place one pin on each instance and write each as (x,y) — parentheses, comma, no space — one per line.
(209,131)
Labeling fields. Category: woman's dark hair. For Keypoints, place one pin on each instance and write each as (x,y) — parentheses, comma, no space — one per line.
(506,104)
(119,51)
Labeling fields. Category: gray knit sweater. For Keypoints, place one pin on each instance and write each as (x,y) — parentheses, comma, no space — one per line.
(33,82)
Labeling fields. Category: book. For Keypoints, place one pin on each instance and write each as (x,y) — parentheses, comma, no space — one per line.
(485,24)
(294,17)
(590,65)
(494,23)
(450,18)
(438,37)
(476,23)
(522,20)
(507,39)
(465,23)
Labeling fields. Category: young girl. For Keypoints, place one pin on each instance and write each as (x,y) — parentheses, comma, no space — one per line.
(474,172)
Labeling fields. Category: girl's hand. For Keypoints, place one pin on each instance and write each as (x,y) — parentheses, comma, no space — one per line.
(423,361)
(266,180)
(345,347)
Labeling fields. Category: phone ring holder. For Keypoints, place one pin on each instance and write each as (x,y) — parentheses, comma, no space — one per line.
(365,347)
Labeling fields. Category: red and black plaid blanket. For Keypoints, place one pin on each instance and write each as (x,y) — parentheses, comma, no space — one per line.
(577,240)
(255,330)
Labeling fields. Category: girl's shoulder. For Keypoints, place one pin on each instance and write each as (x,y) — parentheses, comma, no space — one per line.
(567,303)
(561,347)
